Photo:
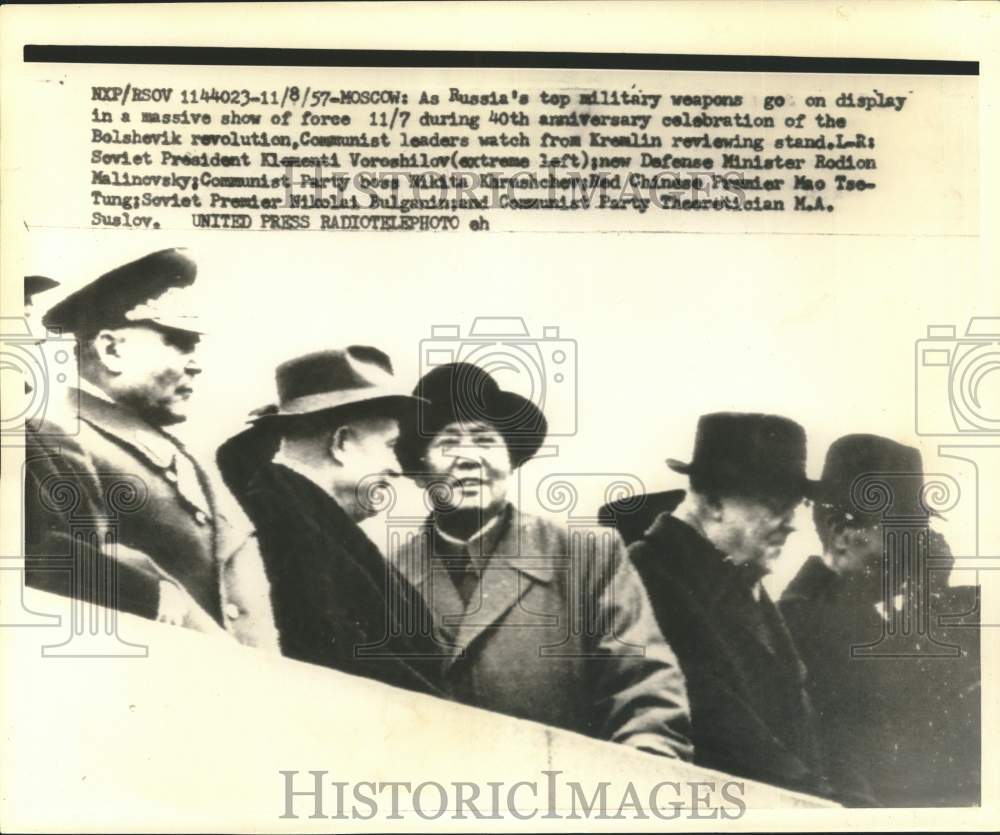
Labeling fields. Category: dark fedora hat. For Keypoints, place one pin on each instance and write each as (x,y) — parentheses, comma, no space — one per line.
(463,392)
(898,467)
(748,454)
(145,291)
(335,379)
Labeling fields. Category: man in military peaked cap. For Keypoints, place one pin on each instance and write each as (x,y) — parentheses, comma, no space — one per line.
(175,559)
(702,564)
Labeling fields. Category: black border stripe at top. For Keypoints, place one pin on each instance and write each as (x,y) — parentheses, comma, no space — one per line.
(448,59)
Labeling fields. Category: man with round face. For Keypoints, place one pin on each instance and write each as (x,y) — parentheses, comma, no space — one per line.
(176,558)
(702,564)
(539,623)
(471,463)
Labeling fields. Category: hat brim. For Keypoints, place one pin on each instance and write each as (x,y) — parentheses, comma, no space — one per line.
(821,500)
(87,307)
(806,488)
(181,324)
(522,424)
(394,402)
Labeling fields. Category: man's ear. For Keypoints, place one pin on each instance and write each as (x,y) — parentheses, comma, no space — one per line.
(340,438)
(108,350)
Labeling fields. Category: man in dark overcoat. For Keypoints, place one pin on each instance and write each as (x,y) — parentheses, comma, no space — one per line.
(702,565)
(308,470)
(891,647)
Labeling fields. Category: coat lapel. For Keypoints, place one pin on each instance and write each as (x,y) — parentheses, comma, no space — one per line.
(159,450)
(784,646)
(507,570)
(763,629)
(499,588)
(724,590)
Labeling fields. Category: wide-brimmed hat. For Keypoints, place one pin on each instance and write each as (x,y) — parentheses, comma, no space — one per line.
(748,454)
(463,392)
(149,290)
(857,464)
(335,379)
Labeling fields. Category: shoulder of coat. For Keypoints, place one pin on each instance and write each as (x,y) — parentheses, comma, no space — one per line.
(811,581)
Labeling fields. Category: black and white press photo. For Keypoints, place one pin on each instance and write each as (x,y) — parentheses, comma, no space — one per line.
(449,419)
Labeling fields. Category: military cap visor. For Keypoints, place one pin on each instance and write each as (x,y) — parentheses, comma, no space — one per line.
(145,291)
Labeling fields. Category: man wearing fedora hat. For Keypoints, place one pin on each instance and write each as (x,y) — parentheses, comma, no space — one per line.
(539,624)
(900,728)
(175,557)
(307,471)
(702,565)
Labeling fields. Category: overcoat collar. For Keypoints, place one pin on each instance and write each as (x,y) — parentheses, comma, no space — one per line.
(696,559)
(697,563)
(313,505)
(510,566)
(502,545)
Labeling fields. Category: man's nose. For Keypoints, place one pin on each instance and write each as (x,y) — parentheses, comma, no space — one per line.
(392,469)
(467,460)
(192,367)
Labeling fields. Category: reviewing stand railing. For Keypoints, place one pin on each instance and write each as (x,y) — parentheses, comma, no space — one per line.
(183,731)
